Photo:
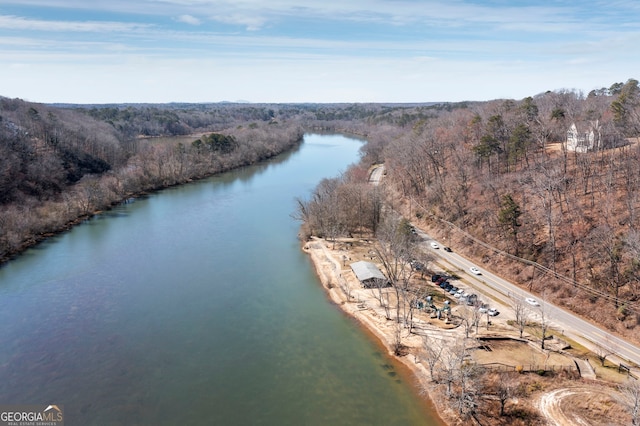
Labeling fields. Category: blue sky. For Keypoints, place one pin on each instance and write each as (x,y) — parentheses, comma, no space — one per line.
(103,51)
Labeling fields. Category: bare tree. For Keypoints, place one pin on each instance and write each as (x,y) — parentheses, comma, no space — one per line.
(396,249)
(546,183)
(416,297)
(606,246)
(506,388)
(545,322)
(397,339)
(432,350)
(465,378)
(604,350)
(632,253)
(632,186)
(521,313)
(469,318)
(452,359)
(476,314)
(461,378)
(631,399)
(381,294)
(469,390)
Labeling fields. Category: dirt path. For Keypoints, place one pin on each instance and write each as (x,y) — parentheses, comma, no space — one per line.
(550,405)
(579,406)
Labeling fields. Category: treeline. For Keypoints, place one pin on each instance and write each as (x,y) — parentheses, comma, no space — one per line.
(59,165)
(177,119)
(496,180)
(183,119)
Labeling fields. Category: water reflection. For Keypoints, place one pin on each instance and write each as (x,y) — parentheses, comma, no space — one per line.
(195,306)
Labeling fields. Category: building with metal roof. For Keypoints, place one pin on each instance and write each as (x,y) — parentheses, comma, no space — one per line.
(367,273)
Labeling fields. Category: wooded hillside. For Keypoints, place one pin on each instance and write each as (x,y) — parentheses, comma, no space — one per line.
(59,166)
(496,181)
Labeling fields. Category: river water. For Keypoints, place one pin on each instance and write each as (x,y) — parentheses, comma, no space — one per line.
(195,305)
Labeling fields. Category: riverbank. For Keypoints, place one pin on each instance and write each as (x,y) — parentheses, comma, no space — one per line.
(331,263)
(26,224)
(598,398)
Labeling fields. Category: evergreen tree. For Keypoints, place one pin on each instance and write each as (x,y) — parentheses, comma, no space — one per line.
(509,216)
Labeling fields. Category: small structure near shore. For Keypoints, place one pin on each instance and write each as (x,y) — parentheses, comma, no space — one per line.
(368,274)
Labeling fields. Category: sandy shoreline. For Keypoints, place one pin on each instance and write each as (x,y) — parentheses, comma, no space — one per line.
(332,267)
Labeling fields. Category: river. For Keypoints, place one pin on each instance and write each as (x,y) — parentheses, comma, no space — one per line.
(196,306)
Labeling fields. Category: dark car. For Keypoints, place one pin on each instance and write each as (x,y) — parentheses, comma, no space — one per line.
(435,277)
(448,249)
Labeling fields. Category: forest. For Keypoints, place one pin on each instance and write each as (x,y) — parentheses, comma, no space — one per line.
(496,180)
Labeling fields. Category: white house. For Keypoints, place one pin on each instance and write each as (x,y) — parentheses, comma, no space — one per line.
(585,139)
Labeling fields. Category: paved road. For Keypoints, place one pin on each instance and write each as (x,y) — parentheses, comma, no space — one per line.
(563,321)
(376,174)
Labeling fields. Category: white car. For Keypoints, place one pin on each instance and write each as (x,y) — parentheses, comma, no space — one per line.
(434,245)
(483,309)
(532,302)
(475,270)
(492,312)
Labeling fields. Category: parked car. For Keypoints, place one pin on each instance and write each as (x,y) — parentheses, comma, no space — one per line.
(475,270)
(435,277)
(434,245)
(483,309)
(531,301)
(493,312)
(472,299)
(418,266)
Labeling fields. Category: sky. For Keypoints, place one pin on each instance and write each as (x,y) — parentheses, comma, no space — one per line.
(293,51)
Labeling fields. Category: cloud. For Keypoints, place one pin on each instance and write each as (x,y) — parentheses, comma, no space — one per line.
(466,15)
(10,22)
(252,23)
(188,19)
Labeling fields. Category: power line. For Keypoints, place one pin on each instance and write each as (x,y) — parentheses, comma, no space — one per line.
(634,307)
